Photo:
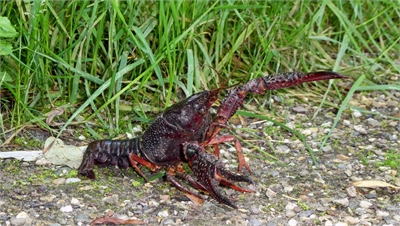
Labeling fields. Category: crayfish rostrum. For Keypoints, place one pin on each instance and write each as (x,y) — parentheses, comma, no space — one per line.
(179,134)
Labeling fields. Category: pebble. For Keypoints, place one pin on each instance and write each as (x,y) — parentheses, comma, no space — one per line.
(290,206)
(282,149)
(373,122)
(380,213)
(83,218)
(357,114)
(47,198)
(292,222)
(306,213)
(343,202)
(270,193)
(351,191)
(327,148)
(21,219)
(290,213)
(341,224)
(255,222)
(396,218)
(72,180)
(36,182)
(351,220)
(361,129)
(42,162)
(254,210)
(59,181)
(165,197)
(306,132)
(365,204)
(163,213)
(75,201)
(300,109)
(66,209)
(112,199)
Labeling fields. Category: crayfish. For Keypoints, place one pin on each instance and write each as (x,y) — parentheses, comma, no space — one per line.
(179,134)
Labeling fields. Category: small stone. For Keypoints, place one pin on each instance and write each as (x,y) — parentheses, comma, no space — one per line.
(306,213)
(341,224)
(290,206)
(343,157)
(343,202)
(59,181)
(357,114)
(292,222)
(365,204)
(66,209)
(274,173)
(351,191)
(255,222)
(282,149)
(42,162)
(113,199)
(327,148)
(254,210)
(306,132)
(165,197)
(37,182)
(75,201)
(83,218)
(85,188)
(396,218)
(47,198)
(328,223)
(72,180)
(270,193)
(163,213)
(326,124)
(382,214)
(373,122)
(290,213)
(351,220)
(346,122)
(300,109)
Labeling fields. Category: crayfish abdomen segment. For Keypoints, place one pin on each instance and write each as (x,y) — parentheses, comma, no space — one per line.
(107,153)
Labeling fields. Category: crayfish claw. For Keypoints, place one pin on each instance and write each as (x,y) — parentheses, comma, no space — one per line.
(210,172)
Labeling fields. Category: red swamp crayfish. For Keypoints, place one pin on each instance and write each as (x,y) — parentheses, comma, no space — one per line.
(179,134)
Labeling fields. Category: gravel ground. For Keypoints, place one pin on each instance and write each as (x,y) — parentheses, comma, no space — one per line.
(291,191)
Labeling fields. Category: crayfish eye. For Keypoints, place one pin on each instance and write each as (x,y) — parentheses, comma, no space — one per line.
(190,153)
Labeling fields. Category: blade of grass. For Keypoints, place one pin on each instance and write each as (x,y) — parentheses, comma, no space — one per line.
(295,132)
(343,106)
(99,91)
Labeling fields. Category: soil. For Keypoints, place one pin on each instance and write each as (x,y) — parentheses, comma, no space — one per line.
(291,190)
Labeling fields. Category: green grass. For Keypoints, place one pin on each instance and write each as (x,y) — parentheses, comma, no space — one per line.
(392,160)
(115,64)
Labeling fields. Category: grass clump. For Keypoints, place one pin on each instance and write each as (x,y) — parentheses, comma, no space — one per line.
(114,64)
(392,160)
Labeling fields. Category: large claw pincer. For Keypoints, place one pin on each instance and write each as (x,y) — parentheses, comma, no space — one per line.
(210,172)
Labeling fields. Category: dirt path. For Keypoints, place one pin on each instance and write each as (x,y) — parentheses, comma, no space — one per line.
(290,192)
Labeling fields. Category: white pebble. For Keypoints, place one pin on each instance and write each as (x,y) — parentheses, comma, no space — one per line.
(357,114)
(72,180)
(163,213)
(365,204)
(66,209)
(292,222)
(75,201)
